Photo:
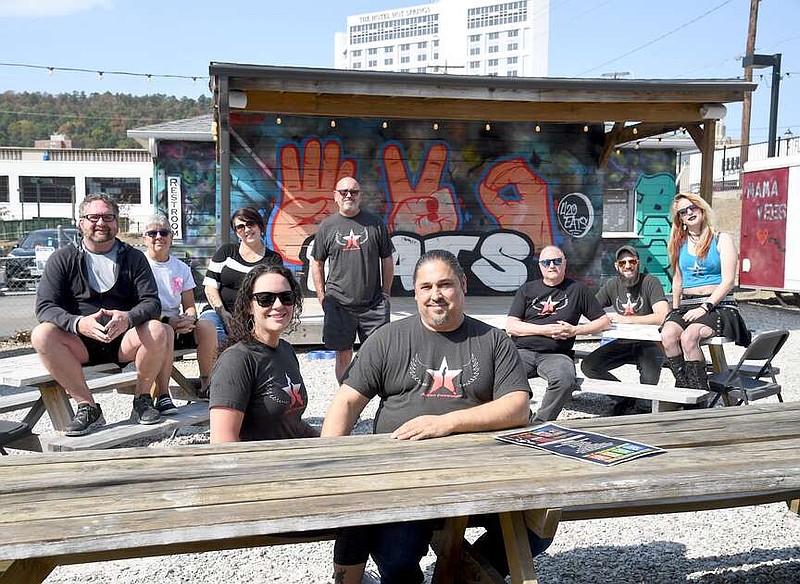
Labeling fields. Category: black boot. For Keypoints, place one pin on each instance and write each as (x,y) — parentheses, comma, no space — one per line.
(696,375)
(678,367)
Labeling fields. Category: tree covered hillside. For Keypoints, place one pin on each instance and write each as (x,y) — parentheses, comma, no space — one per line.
(97,120)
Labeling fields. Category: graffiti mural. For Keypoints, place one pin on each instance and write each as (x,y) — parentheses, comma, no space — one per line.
(493,195)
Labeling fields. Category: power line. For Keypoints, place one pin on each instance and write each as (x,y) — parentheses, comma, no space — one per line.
(655,40)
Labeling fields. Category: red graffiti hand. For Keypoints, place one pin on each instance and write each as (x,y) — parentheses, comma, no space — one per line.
(427,207)
(528,211)
(306,193)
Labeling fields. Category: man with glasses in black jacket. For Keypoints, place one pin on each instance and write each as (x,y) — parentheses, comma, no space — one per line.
(543,322)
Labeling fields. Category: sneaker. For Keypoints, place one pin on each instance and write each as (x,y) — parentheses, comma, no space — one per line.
(165,406)
(143,410)
(86,419)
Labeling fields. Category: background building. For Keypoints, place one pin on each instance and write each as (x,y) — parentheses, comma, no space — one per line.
(470,37)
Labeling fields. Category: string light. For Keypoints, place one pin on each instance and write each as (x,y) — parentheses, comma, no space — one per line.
(488,127)
(435,125)
(278,120)
(333,123)
(586,128)
(537,128)
(384,125)
(635,131)
(99,75)
(52,69)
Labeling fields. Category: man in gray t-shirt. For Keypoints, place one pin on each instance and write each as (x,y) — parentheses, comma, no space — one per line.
(438,373)
(355,295)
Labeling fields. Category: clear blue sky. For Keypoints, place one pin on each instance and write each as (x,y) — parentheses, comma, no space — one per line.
(653,39)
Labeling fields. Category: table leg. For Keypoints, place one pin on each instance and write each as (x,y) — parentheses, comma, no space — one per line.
(518,551)
(794,506)
(718,361)
(448,545)
(56,401)
(31,571)
(543,522)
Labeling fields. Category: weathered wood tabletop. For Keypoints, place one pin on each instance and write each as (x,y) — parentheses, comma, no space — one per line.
(78,507)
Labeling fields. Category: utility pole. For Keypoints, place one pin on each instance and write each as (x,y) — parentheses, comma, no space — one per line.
(744,150)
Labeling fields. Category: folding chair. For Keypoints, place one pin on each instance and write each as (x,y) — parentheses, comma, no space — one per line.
(11,431)
(740,384)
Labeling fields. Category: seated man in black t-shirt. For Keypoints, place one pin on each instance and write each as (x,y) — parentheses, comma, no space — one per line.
(417,366)
(543,321)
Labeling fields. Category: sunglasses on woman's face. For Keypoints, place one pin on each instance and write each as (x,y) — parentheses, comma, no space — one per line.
(267,299)
(686,210)
(248,223)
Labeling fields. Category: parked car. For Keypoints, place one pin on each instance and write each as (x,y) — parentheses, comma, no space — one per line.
(21,268)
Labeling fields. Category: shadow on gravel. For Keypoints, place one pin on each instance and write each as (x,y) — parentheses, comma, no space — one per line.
(666,562)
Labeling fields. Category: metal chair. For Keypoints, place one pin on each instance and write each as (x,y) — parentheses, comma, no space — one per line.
(11,431)
(746,381)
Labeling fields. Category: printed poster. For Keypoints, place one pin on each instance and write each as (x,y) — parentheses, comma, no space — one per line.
(578,444)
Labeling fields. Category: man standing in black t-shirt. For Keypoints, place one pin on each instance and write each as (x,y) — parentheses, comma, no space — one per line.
(355,295)
(636,299)
(438,373)
(543,321)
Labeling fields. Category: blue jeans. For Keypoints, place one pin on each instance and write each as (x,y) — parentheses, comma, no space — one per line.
(222,334)
(559,372)
(397,548)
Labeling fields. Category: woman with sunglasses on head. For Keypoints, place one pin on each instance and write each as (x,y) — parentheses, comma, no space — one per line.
(229,265)
(256,390)
(704,264)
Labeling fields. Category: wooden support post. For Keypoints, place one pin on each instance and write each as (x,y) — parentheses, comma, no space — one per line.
(794,506)
(447,545)
(543,522)
(518,551)
(57,403)
(31,571)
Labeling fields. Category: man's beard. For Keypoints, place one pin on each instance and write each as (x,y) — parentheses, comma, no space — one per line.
(628,282)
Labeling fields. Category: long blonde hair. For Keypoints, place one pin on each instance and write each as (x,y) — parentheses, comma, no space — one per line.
(679,233)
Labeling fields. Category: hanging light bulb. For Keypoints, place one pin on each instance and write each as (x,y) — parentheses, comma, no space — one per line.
(99,75)
(435,125)
(278,120)
(149,77)
(488,127)
(333,123)
(537,128)
(384,125)
(635,131)
(585,128)
(50,70)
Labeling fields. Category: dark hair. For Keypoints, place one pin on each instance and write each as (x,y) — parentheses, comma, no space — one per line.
(240,323)
(248,214)
(442,256)
(91,198)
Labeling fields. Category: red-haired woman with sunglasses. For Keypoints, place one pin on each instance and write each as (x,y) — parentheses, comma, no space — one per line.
(704,264)
(256,391)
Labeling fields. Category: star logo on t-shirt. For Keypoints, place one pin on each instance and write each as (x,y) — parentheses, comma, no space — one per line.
(351,242)
(442,381)
(629,306)
(550,305)
(295,397)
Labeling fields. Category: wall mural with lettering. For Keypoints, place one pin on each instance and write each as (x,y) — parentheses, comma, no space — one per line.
(493,193)
(494,196)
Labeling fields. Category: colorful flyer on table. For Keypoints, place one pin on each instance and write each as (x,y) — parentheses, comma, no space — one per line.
(589,446)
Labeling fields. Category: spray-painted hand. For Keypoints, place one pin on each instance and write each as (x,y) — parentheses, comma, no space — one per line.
(428,206)
(517,198)
(306,193)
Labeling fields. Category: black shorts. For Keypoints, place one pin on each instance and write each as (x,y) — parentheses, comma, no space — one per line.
(342,323)
(185,341)
(101,353)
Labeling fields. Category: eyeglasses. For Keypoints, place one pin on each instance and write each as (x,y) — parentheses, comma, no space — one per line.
(95,217)
(686,210)
(154,232)
(249,223)
(551,262)
(267,299)
(352,192)
(632,262)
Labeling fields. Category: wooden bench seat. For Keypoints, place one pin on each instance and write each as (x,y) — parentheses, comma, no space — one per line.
(125,431)
(663,398)
(19,400)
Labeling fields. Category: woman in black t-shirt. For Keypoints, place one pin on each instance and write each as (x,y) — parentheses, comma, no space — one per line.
(256,391)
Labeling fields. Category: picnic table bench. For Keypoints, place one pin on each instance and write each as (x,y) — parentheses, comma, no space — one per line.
(48,397)
(76,507)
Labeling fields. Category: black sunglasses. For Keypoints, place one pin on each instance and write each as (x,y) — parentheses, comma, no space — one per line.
(248,223)
(553,261)
(686,210)
(162,232)
(267,299)
(351,192)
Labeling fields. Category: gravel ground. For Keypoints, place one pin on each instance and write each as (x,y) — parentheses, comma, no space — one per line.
(733,546)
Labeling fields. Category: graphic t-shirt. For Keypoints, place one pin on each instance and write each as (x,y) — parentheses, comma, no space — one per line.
(537,303)
(173,277)
(636,300)
(266,385)
(354,247)
(416,371)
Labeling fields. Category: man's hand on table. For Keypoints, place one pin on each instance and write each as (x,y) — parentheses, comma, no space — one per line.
(423,427)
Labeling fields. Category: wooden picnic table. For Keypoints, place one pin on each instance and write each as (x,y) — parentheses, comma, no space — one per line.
(29,371)
(77,507)
(650,332)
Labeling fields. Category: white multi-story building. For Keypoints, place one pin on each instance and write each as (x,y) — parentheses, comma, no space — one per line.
(466,37)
